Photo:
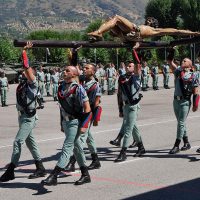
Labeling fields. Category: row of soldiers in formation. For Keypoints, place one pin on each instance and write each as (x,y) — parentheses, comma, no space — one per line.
(80,108)
(48,79)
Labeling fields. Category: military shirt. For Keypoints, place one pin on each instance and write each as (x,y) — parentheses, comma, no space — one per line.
(134,86)
(74,100)
(31,92)
(155,70)
(3,82)
(197,67)
(48,77)
(110,72)
(188,76)
(144,71)
(122,71)
(54,79)
(166,69)
(93,93)
(40,76)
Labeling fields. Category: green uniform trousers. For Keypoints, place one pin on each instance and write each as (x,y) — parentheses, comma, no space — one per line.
(155,81)
(148,79)
(41,88)
(55,89)
(74,142)
(166,79)
(25,134)
(79,146)
(110,84)
(181,110)
(130,127)
(47,86)
(3,94)
(71,134)
(144,82)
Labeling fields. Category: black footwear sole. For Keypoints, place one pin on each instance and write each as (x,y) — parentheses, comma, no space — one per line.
(34,177)
(114,144)
(3,181)
(52,184)
(185,149)
(94,168)
(87,181)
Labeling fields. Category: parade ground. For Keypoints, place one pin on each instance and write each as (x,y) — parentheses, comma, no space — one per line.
(155,176)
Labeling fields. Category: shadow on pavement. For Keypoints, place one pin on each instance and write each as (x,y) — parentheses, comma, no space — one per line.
(188,190)
(39,188)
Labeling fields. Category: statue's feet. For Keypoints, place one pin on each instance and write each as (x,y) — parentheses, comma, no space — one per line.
(94,37)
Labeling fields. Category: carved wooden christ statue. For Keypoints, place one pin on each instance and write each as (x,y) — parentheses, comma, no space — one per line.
(127,31)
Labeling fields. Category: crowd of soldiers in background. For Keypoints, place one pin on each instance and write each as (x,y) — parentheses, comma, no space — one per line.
(107,76)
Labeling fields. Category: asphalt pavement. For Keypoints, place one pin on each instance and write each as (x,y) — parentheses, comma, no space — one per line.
(155,176)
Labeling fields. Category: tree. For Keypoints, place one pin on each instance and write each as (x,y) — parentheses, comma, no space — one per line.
(7,52)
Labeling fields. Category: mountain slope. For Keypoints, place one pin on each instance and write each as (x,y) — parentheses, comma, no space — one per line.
(17,17)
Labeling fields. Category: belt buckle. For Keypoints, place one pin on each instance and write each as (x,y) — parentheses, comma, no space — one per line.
(178,98)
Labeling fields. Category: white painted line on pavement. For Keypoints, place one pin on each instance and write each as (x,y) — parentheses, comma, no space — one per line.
(109,130)
(134,160)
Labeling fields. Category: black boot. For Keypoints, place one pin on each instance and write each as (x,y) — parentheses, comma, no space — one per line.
(175,149)
(52,178)
(40,105)
(122,156)
(40,170)
(186,145)
(85,177)
(71,165)
(9,173)
(3,104)
(95,162)
(198,150)
(117,141)
(48,94)
(134,144)
(141,150)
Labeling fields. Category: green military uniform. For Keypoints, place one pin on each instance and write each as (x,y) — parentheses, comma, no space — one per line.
(71,97)
(185,82)
(144,78)
(27,120)
(54,80)
(130,86)
(26,105)
(197,69)
(48,83)
(100,75)
(40,78)
(20,78)
(3,90)
(148,75)
(166,74)
(154,74)
(110,74)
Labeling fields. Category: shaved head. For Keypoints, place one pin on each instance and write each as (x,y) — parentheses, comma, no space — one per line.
(186,63)
(73,70)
